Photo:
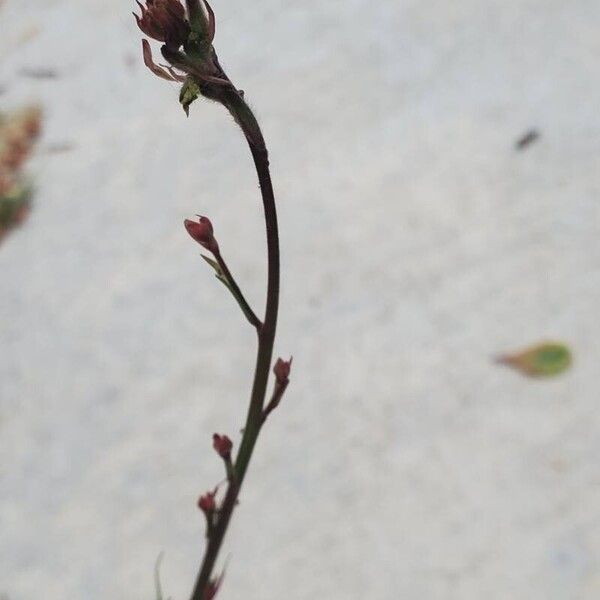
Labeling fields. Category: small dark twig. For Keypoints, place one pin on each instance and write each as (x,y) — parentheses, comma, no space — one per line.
(528,138)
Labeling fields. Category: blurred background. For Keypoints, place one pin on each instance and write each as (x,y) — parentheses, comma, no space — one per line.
(436,165)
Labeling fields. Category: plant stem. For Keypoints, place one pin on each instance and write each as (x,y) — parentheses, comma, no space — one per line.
(236,292)
(275,400)
(242,114)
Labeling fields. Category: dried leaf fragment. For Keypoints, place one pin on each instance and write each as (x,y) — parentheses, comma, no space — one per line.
(18,133)
(546,359)
(528,138)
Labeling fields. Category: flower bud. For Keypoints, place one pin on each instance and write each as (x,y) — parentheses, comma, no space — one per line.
(164,21)
(213,587)
(222,445)
(282,370)
(207,504)
(202,232)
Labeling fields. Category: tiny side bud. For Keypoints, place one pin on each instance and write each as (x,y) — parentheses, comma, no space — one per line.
(202,232)
(207,504)
(282,370)
(212,589)
(222,445)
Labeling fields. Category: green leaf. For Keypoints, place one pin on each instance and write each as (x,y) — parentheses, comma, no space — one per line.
(546,359)
(231,287)
(190,91)
(218,273)
(12,205)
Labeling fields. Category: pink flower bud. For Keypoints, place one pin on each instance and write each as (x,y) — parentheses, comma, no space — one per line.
(164,21)
(282,370)
(202,232)
(206,503)
(213,588)
(223,445)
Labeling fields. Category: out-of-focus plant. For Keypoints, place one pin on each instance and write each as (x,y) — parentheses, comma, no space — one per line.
(18,133)
(187,34)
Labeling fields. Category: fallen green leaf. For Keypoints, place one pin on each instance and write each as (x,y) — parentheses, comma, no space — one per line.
(546,359)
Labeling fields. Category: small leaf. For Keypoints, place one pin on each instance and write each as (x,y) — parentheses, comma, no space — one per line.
(232,288)
(542,360)
(211,262)
(14,204)
(190,91)
(218,273)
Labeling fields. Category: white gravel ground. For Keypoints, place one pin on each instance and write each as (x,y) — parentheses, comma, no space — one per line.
(417,243)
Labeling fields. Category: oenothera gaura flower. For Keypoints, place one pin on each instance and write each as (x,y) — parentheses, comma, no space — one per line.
(187,45)
(164,21)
